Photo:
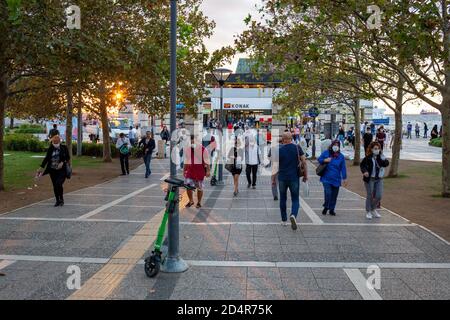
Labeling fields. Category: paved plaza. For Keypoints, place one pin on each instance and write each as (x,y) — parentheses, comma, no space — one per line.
(236,247)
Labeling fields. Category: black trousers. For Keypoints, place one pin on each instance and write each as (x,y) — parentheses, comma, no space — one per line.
(250,171)
(58,178)
(124,163)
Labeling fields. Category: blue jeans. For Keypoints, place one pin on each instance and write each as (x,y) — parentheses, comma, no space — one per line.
(331,193)
(147,160)
(294,188)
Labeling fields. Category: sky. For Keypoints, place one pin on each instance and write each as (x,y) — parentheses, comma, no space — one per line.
(229,16)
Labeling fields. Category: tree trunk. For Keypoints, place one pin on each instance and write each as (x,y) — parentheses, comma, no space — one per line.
(105,124)
(3,97)
(397,144)
(11,122)
(69,120)
(80,126)
(445,111)
(357,156)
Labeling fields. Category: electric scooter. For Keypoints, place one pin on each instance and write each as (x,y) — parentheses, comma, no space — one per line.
(153,262)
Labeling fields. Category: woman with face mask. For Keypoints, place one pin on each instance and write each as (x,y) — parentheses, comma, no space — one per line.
(372,168)
(55,164)
(334,175)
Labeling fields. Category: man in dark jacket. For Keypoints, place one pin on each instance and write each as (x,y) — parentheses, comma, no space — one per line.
(55,163)
(148,145)
(53,132)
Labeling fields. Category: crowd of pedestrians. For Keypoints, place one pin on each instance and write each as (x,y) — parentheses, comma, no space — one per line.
(287,161)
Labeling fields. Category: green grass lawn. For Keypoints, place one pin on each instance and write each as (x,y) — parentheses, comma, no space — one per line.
(20,167)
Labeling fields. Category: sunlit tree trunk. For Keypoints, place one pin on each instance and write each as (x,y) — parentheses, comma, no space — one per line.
(105,124)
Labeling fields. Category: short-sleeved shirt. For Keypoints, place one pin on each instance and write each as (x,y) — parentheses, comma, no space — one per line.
(289,162)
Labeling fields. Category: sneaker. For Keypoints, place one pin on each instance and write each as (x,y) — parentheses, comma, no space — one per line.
(369,215)
(376,214)
(57,203)
(249,185)
(293,223)
(253,187)
(324,211)
(284,223)
(332,213)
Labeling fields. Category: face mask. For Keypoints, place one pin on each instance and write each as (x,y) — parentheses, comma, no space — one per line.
(335,148)
(376,151)
(56,145)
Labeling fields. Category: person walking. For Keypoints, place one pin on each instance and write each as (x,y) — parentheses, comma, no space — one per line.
(252,160)
(367,138)
(381,137)
(308,136)
(417,129)
(131,136)
(351,137)
(234,163)
(292,160)
(409,130)
(196,168)
(148,145)
(297,134)
(341,135)
(334,176)
(53,132)
(425,130)
(372,168)
(274,162)
(124,146)
(55,164)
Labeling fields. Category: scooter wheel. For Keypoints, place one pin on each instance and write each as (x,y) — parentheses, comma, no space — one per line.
(152,266)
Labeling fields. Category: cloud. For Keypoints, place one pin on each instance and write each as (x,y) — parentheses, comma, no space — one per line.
(229,16)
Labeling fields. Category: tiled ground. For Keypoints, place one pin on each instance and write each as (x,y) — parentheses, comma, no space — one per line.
(236,247)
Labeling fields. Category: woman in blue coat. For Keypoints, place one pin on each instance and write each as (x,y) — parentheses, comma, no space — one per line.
(335,174)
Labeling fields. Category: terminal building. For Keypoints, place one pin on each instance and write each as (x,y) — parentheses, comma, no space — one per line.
(247,94)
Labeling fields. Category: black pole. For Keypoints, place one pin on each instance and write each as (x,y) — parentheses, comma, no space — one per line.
(173,262)
(314,139)
(222,121)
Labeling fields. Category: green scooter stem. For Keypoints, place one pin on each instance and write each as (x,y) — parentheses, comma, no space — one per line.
(162,227)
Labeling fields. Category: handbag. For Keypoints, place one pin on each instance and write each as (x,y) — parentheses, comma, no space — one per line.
(68,171)
(320,170)
(300,169)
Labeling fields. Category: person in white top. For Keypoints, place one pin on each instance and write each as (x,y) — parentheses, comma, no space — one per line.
(124,147)
(252,160)
(132,136)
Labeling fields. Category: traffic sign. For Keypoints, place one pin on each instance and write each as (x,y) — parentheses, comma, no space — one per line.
(314,112)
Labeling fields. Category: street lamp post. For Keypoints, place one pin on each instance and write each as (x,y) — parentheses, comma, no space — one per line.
(173,262)
(221,75)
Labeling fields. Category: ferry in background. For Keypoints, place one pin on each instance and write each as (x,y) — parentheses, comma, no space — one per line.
(428,112)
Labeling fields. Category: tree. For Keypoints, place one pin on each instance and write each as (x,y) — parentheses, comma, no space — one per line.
(348,57)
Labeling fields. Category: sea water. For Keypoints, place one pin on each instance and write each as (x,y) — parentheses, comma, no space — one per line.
(429,119)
